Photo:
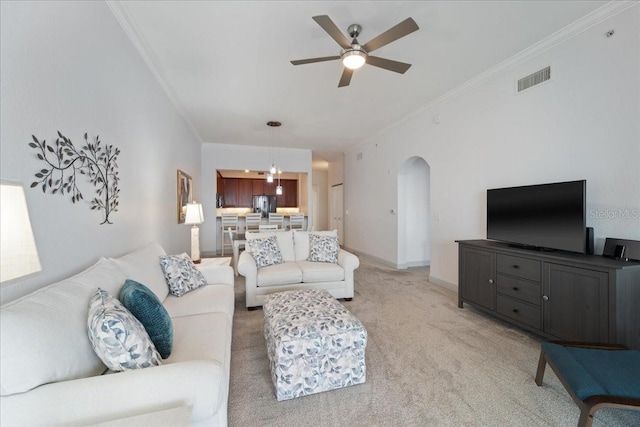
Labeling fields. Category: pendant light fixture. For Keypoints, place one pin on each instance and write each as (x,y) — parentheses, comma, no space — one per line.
(273,168)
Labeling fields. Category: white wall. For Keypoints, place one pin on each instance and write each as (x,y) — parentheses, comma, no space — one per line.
(240,157)
(68,66)
(321,179)
(584,124)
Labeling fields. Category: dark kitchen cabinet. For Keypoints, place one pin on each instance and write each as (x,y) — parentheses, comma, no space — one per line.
(258,186)
(558,295)
(230,192)
(245,193)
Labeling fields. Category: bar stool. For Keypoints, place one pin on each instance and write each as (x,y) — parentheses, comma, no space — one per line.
(229,223)
(296,222)
(252,222)
(277,219)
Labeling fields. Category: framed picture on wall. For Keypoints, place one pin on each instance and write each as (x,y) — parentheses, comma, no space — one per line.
(185,194)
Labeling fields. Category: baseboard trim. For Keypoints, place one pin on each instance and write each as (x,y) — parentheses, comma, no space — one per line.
(412,264)
(371,257)
(443,284)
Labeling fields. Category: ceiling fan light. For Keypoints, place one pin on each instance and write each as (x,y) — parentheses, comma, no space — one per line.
(353,59)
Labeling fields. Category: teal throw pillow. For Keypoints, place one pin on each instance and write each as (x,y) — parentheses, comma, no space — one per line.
(147,308)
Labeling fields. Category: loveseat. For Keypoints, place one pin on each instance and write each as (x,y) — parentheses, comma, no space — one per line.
(50,374)
(296,271)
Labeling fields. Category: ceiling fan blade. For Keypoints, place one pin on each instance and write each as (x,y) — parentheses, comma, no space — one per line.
(388,64)
(312,60)
(346,77)
(327,24)
(404,28)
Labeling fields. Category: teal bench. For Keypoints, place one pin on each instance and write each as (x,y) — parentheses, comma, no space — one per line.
(596,376)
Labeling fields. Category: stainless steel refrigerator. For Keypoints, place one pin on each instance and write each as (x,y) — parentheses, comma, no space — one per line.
(264,205)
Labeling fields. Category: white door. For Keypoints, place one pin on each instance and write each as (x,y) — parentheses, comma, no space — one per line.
(316,206)
(336,210)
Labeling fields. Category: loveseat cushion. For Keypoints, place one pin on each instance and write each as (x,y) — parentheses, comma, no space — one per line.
(280,274)
(43,335)
(117,337)
(316,272)
(148,309)
(285,242)
(301,242)
(143,266)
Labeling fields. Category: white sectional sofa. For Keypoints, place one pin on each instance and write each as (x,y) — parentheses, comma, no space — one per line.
(296,272)
(51,376)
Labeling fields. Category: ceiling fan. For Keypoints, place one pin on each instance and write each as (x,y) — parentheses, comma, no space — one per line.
(354,55)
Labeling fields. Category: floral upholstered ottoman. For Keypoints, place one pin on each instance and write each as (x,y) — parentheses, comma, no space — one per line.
(314,343)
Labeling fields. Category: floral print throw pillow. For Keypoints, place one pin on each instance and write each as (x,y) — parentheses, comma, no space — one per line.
(181,274)
(265,251)
(117,337)
(323,248)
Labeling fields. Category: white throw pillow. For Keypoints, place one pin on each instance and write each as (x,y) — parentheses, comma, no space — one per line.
(181,274)
(265,251)
(117,337)
(142,266)
(301,242)
(285,242)
(323,248)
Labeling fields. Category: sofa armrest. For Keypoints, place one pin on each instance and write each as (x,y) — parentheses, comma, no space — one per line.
(247,267)
(246,264)
(111,396)
(216,274)
(347,260)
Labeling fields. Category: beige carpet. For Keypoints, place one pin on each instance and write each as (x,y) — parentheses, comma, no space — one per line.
(429,363)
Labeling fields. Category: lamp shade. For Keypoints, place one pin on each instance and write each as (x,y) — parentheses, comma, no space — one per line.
(19,255)
(194,214)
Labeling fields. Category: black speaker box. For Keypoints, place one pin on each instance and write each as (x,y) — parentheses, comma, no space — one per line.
(589,248)
(626,249)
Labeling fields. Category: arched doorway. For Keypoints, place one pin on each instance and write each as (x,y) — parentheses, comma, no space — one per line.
(414,212)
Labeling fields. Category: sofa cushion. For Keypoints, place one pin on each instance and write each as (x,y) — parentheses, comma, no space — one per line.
(143,266)
(148,309)
(323,248)
(301,242)
(280,274)
(207,299)
(265,251)
(43,335)
(285,242)
(315,272)
(117,337)
(181,274)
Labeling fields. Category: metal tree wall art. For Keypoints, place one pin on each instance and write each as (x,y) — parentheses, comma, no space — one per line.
(64,162)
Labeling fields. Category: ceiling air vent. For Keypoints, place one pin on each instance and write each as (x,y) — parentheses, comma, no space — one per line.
(534,79)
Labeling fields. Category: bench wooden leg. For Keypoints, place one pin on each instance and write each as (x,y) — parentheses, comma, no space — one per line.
(542,364)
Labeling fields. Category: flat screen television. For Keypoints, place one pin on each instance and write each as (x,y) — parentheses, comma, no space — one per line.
(545,216)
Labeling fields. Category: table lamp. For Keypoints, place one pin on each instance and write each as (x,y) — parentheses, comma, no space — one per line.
(194,217)
(18,252)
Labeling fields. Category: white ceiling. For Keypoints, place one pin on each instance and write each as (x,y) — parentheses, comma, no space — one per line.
(226,63)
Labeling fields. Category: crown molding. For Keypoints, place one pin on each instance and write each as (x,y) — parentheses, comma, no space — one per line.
(122,15)
(599,15)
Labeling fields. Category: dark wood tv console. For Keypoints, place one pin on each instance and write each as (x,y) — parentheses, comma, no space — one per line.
(557,295)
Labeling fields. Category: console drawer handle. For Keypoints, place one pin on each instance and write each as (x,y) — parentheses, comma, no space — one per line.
(515,288)
(516,266)
(515,310)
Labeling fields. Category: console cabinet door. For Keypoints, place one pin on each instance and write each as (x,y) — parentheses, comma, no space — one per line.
(575,303)
(478,277)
